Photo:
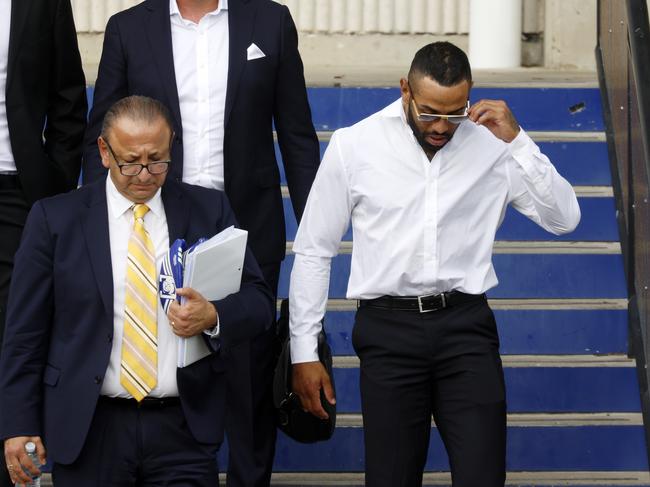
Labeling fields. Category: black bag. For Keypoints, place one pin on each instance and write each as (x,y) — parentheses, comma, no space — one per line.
(291,419)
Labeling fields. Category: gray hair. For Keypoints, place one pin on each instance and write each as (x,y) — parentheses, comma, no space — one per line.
(137,108)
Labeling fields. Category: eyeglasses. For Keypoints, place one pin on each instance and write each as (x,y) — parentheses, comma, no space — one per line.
(133,168)
(434,117)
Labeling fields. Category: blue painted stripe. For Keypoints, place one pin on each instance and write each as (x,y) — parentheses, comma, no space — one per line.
(587,448)
(521,276)
(597,224)
(538,389)
(333,108)
(526,332)
(581,163)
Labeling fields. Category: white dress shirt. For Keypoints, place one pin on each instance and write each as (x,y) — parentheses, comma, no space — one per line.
(7,163)
(120,226)
(419,226)
(201,68)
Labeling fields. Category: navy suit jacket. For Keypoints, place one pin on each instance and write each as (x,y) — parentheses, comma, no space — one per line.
(137,59)
(60,318)
(46,97)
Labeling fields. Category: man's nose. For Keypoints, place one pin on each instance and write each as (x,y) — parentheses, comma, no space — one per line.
(440,126)
(144,175)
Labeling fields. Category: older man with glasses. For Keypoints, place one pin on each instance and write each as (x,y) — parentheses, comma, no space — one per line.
(89,364)
(426,182)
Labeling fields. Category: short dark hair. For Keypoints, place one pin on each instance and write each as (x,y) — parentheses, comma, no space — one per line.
(443,62)
(138,108)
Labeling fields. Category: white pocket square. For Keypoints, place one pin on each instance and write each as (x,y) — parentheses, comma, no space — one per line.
(254,52)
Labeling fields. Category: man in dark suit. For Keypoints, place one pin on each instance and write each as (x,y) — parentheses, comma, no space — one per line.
(89,358)
(42,118)
(229,71)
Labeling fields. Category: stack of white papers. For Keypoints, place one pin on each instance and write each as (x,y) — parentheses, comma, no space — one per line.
(213,268)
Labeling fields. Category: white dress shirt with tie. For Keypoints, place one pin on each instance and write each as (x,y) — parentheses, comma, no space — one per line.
(120,226)
(419,226)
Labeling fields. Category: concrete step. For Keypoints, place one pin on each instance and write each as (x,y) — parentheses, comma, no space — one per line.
(443,479)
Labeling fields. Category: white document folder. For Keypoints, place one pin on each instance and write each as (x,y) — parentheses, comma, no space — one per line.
(213,268)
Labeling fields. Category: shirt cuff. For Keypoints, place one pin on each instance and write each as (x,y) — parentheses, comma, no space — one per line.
(526,153)
(213,332)
(520,143)
(304,349)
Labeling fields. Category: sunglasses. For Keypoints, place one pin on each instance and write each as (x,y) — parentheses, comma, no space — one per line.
(434,117)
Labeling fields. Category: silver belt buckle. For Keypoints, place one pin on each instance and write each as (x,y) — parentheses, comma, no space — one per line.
(442,299)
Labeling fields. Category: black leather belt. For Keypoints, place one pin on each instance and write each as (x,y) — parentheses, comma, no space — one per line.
(146,403)
(421,304)
(9,181)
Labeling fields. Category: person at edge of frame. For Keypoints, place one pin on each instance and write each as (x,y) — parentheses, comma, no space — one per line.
(42,120)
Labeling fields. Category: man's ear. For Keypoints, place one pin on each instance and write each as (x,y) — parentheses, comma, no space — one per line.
(103,152)
(404,89)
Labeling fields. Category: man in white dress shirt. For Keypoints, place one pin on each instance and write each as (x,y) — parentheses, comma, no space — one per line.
(425,182)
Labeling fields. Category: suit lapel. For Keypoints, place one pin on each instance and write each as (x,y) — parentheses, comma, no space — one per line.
(177,210)
(19,15)
(98,244)
(159,33)
(241,18)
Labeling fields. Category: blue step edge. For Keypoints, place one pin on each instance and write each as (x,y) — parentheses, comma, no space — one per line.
(529,449)
(581,163)
(597,224)
(526,332)
(523,276)
(575,109)
(538,389)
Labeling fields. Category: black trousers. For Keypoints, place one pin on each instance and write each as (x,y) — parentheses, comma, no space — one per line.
(250,420)
(444,363)
(140,446)
(13,213)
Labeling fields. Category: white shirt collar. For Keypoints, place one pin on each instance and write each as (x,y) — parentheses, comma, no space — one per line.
(394,110)
(118,204)
(173,8)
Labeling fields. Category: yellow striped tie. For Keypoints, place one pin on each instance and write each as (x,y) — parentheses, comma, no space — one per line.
(140,343)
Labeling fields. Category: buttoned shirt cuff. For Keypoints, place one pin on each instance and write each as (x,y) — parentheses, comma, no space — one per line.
(213,332)
(520,145)
(523,150)
(304,349)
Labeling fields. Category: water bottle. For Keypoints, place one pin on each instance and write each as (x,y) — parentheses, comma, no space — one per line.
(30,448)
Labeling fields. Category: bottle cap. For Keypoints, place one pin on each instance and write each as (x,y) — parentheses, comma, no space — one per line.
(30,447)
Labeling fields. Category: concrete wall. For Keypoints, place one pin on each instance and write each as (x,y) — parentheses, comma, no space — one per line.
(353,34)
(570,34)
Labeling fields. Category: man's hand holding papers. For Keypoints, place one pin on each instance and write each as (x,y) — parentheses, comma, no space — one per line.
(208,271)
(194,316)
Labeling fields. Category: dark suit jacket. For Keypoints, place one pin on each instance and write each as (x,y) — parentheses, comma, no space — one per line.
(137,59)
(45,88)
(60,318)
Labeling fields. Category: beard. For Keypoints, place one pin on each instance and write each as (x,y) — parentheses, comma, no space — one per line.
(421,136)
